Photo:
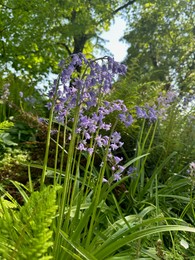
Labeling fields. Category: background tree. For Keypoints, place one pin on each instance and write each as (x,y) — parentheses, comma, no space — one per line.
(161,38)
(36,35)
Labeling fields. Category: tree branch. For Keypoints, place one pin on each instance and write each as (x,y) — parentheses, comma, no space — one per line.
(123,6)
(117,10)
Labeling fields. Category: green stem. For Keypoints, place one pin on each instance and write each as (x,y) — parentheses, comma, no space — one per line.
(56,155)
(98,188)
(66,184)
(48,136)
(63,151)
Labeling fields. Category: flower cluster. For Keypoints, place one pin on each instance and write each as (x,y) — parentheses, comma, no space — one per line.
(159,110)
(6,92)
(147,112)
(96,120)
(84,84)
(113,160)
(85,89)
(164,102)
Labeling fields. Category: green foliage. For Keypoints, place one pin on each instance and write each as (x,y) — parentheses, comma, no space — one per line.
(37,35)
(161,36)
(5,125)
(177,134)
(11,135)
(22,132)
(25,233)
(5,138)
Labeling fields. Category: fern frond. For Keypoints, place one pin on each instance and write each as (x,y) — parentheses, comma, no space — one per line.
(26,234)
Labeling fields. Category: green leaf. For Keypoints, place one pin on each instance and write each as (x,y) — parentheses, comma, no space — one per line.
(6,139)
(113,246)
(79,249)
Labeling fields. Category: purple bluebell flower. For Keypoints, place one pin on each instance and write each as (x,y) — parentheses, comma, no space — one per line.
(114,146)
(131,169)
(84,121)
(87,135)
(106,127)
(113,168)
(77,59)
(120,144)
(105,140)
(117,176)
(141,113)
(78,83)
(21,94)
(102,141)
(152,116)
(115,137)
(129,120)
(148,113)
(90,150)
(92,128)
(81,147)
(48,105)
(117,159)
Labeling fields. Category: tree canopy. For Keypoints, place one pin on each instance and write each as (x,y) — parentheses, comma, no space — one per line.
(35,35)
(161,37)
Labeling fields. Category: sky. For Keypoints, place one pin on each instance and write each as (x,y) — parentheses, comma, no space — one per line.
(116,47)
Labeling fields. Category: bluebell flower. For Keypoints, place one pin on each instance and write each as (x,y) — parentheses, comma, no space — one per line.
(115,137)
(90,150)
(152,116)
(131,169)
(114,146)
(117,176)
(117,159)
(81,147)
(141,113)
(21,94)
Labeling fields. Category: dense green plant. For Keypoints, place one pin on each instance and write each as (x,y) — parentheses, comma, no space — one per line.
(25,231)
(5,137)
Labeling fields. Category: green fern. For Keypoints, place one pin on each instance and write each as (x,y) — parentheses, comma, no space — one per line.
(26,234)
